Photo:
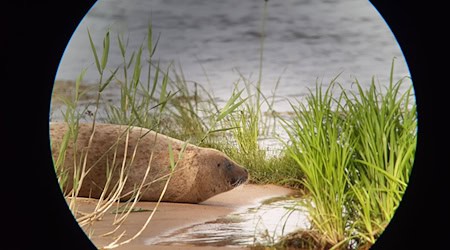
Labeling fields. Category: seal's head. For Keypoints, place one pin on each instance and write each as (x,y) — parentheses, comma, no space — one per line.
(217,173)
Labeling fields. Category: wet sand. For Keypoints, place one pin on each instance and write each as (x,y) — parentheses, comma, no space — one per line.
(173,216)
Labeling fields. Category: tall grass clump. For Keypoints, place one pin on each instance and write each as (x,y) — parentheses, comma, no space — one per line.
(356,150)
(166,101)
(193,113)
(248,126)
(385,130)
(321,148)
(140,104)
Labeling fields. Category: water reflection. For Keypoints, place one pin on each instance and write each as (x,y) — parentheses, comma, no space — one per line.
(264,224)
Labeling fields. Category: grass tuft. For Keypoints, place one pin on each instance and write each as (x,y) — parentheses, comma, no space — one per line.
(356,151)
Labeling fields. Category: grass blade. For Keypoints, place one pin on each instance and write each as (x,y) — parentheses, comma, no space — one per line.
(106,42)
(94,51)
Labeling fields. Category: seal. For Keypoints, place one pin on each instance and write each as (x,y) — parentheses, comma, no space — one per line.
(113,156)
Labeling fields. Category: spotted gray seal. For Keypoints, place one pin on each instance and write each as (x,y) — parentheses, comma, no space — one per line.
(199,173)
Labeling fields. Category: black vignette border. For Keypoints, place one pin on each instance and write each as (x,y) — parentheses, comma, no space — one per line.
(37,215)
(415,223)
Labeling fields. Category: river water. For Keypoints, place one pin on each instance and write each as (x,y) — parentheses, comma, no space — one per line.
(212,40)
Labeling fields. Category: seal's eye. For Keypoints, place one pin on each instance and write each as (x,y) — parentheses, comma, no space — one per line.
(218,164)
(229,166)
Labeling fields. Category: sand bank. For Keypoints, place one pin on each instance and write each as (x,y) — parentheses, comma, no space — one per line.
(173,216)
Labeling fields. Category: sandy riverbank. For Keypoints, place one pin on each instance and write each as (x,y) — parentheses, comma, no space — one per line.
(172,216)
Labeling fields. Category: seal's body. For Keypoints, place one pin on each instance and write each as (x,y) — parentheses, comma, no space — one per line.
(199,173)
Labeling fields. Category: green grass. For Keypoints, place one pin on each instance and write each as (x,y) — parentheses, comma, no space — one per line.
(319,147)
(385,131)
(356,151)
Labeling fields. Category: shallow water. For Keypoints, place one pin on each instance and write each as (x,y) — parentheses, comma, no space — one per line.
(213,40)
(262,224)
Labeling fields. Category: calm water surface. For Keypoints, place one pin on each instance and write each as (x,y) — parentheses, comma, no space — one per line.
(215,40)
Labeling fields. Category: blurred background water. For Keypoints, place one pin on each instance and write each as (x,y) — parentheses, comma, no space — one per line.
(306,41)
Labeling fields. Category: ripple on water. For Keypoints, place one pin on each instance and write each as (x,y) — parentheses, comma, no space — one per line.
(264,224)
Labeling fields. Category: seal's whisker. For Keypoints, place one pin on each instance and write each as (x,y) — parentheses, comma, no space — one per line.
(239,181)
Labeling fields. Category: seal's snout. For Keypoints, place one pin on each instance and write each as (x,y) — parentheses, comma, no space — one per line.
(240,176)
